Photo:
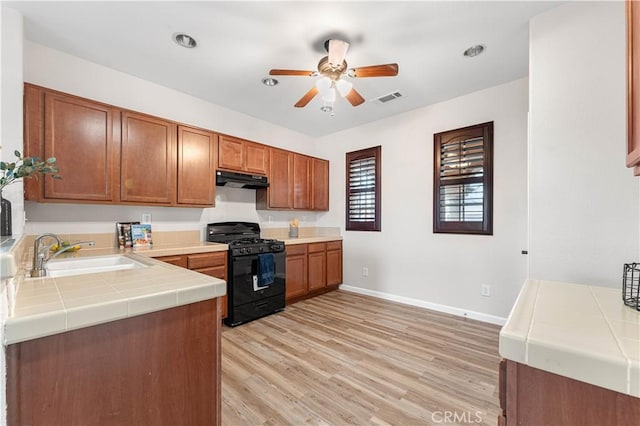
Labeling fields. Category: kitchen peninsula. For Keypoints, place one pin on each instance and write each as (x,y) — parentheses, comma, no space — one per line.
(140,346)
(572,356)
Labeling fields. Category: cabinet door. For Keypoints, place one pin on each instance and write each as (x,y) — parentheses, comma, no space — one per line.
(79,134)
(280,191)
(633,86)
(296,281)
(320,184)
(148,159)
(255,158)
(196,167)
(230,153)
(334,263)
(218,272)
(317,264)
(301,193)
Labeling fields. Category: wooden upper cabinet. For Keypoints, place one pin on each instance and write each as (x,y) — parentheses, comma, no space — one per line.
(319,184)
(255,158)
(280,191)
(301,187)
(241,155)
(197,154)
(80,135)
(633,83)
(148,168)
(230,153)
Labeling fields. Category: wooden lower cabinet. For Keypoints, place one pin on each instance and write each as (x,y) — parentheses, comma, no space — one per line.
(317,264)
(530,396)
(334,262)
(312,269)
(158,368)
(296,267)
(213,264)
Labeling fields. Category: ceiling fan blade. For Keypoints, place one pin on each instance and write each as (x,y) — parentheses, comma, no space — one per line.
(386,70)
(354,97)
(291,72)
(307,97)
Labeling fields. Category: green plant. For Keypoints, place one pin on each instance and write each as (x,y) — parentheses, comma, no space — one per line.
(25,167)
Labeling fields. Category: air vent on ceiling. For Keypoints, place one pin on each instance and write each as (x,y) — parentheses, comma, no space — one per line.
(390,97)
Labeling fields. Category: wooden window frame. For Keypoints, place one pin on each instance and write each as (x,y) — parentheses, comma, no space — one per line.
(375,225)
(465,227)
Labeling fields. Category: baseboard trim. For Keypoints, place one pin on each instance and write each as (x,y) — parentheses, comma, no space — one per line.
(492,319)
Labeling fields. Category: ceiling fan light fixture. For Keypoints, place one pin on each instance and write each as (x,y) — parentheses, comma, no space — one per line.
(337,52)
(185,40)
(344,87)
(330,95)
(323,84)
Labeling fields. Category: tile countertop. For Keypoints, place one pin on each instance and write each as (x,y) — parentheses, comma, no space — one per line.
(307,240)
(578,331)
(41,307)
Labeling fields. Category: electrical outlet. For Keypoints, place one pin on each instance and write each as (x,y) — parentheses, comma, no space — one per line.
(365,272)
(485,290)
(270,219)
(146,218)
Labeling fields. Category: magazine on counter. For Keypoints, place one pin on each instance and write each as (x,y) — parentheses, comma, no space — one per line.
(141,235)
(123,234)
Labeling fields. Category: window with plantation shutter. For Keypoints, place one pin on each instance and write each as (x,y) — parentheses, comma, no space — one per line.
(463,180)
(363,190)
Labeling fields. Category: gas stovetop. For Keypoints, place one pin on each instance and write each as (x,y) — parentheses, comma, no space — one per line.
(243,238)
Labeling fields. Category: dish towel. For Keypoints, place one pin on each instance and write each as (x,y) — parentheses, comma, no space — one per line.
(266,269)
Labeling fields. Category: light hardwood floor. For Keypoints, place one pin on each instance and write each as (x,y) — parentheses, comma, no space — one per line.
(344,358)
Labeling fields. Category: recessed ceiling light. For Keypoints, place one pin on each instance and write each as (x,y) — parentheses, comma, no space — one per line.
(474,51)
(268,81)
(185,40)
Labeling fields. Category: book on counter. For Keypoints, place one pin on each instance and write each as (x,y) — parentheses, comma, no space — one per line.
(123,234)
(141,235)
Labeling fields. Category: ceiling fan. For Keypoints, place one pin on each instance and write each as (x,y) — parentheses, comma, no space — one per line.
(332,69)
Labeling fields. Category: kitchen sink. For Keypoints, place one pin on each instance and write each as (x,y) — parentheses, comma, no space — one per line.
(91,265)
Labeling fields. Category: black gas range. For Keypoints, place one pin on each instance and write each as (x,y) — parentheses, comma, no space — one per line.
(256,275)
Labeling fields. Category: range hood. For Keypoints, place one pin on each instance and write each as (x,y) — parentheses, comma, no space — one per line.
(240,180)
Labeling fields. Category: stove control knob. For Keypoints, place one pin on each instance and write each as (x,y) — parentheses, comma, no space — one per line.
(261,249)
(243,250)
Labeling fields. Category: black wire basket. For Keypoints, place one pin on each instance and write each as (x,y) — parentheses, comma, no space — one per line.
(631,285)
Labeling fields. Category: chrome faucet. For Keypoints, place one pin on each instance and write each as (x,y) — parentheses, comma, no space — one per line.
(70,247)
(39,255)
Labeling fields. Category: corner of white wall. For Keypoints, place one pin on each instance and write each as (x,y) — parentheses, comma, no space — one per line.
(11,133)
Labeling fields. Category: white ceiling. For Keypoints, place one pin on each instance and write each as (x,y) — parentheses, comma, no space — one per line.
(238,42)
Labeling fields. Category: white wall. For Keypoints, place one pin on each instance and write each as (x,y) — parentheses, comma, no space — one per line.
(407,260)
(11,131)
(57,70)
(11,117)
(584,202)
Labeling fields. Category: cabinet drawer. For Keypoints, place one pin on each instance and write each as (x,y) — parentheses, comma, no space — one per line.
(315,247)
(206,260)
(296,249)
(214,271)
(174,260)
(334,245)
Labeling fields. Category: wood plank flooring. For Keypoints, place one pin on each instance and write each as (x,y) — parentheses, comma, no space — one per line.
(344,358)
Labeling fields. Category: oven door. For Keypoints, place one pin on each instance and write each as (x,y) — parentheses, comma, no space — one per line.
(243,273)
